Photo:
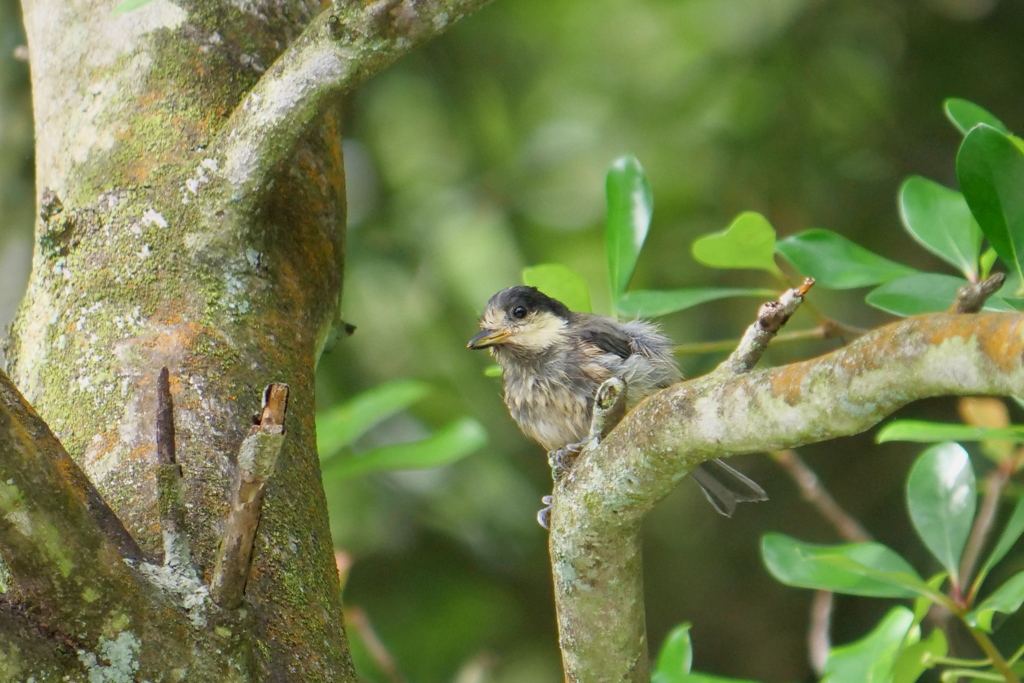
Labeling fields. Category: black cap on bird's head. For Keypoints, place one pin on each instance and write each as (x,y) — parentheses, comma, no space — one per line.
(522,317)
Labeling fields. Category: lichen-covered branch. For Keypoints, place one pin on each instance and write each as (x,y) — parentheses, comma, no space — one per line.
(339,50)
(257,460)
(60,565)
(597,512)
(102,516)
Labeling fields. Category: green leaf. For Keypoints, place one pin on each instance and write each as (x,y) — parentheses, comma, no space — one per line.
(987,260)
(940,220)
(676,654)
(630,206)
(870,659)
(836,262)
(748,242)
(918,657)
(925,293)
(1007,599)
(1009,536)
(453,442)
(966,115)
(492,370)
(922,431)
(942,501)
(560,282)
(654,303)
(339,426)
(869,569)
(990,168)
(129,6)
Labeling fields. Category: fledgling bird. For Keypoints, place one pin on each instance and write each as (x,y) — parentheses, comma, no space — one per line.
(553,361)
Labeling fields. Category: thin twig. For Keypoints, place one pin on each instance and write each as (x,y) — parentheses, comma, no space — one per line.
(724,345)
(971,298)
(257,460)
(995,483)
(359,622)
(819,635)
(819,639)
(817,495)
(170,496)
(770,319)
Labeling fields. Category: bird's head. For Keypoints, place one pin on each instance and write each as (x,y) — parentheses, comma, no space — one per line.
(521,320)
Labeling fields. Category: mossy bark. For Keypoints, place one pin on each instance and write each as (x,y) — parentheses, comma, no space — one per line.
(181,225)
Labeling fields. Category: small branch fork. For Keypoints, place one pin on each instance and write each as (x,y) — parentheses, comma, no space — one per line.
(770,319)
(971,298)
(257,460)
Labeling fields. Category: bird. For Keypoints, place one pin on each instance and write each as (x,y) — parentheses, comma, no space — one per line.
(553,361)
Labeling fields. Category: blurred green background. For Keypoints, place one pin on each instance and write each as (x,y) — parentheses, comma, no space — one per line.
(486,152)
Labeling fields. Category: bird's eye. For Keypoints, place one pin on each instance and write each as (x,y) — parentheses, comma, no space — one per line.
(519,312)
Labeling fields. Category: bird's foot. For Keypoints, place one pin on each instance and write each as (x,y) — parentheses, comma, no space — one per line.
(544,514)
(562,459)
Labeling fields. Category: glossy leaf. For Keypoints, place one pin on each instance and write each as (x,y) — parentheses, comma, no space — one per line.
(870,659)
(990,168)
(1011,533)
(453,442)
(836,262)
(966,115)
(925,293)
(339,426)
(630,206)
(1007,599)
(560,282)
(676,654)
(130,6)
(922,431)
(654,303)
(939,219)
(918,657)
(942,500)
(869,569)
(748,242)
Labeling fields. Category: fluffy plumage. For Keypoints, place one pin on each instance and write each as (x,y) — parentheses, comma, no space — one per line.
(553,361)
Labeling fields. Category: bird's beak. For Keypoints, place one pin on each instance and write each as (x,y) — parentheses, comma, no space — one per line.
(487,338)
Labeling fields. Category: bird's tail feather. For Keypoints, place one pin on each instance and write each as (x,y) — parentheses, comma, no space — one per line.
(726,487)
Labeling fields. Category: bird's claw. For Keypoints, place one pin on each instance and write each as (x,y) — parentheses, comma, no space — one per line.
(562,459)
(544,514)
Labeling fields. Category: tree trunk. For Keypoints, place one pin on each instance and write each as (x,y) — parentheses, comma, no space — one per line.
(191,216)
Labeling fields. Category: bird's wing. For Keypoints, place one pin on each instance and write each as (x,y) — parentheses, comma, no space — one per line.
(604,335)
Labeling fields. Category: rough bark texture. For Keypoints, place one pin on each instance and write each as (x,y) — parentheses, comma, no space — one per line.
(191,216)
(598,507)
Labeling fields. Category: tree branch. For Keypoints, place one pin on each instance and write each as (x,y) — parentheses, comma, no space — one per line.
(102,516)
(61,564)
(596,516)
(338,51)
(257,460)
(770,319)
